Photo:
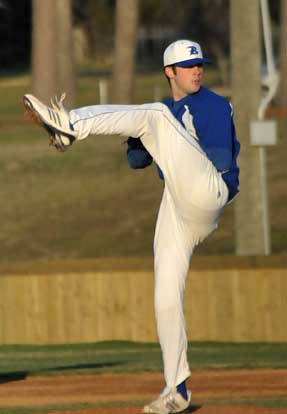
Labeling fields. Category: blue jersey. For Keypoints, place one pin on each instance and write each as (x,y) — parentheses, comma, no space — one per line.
(208,117)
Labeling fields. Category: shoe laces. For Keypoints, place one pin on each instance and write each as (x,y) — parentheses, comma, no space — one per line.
(175,402)
(57,104)
(169,401)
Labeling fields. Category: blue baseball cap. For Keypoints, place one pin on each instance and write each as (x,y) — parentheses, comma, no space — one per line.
(184,53)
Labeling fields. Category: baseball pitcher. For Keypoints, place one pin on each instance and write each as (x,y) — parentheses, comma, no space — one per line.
(191,138)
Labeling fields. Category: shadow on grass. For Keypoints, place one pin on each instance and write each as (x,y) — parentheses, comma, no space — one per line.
(22,375)
(192,408)
(13,376)
(76,367)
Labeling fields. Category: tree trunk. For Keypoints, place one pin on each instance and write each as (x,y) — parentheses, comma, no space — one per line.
(125,47)
(283,55)
(52,50)
(65,51)
(44,77)
(246,92)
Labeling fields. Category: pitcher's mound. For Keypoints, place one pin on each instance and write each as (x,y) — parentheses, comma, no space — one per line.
(214,392)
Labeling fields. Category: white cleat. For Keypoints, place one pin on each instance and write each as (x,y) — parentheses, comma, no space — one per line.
(173,402)
(54,119)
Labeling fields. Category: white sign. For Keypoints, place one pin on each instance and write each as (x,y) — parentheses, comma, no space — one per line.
(263,132)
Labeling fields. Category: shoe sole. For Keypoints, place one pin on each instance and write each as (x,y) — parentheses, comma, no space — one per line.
(185,411)
(149,410)
(34,117)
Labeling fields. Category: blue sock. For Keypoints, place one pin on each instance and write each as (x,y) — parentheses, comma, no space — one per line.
(181,388)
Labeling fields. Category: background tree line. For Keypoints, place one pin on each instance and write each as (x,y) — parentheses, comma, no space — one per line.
(157,23)
(205,20)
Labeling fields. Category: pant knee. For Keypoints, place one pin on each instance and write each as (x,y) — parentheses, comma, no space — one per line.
(168,300)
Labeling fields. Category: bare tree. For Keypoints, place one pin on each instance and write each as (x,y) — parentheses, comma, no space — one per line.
(125,47)
(65,50)
(246,86)
(213,26)
(52,49)
(99,19)
(43,49)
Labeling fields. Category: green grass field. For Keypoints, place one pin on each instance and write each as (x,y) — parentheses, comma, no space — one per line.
(125,356)
(22,361)
(87,202)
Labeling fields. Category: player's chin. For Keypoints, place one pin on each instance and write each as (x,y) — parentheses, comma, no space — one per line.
(195,87)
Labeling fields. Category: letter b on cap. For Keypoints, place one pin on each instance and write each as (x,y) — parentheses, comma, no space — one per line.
(193,50)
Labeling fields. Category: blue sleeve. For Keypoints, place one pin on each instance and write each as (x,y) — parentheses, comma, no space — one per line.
(220,144)
(219,137)
(231,177)
(137,155)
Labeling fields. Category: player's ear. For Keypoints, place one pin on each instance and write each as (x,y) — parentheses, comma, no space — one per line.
(169,72)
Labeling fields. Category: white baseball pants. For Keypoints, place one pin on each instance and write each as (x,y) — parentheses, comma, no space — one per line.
(193,199)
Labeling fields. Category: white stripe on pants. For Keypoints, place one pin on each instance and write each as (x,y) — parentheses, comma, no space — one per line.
(193,200)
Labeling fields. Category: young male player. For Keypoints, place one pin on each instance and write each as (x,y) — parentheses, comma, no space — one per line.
(191,137)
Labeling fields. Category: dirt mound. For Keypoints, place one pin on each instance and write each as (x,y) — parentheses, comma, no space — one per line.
(213,392)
